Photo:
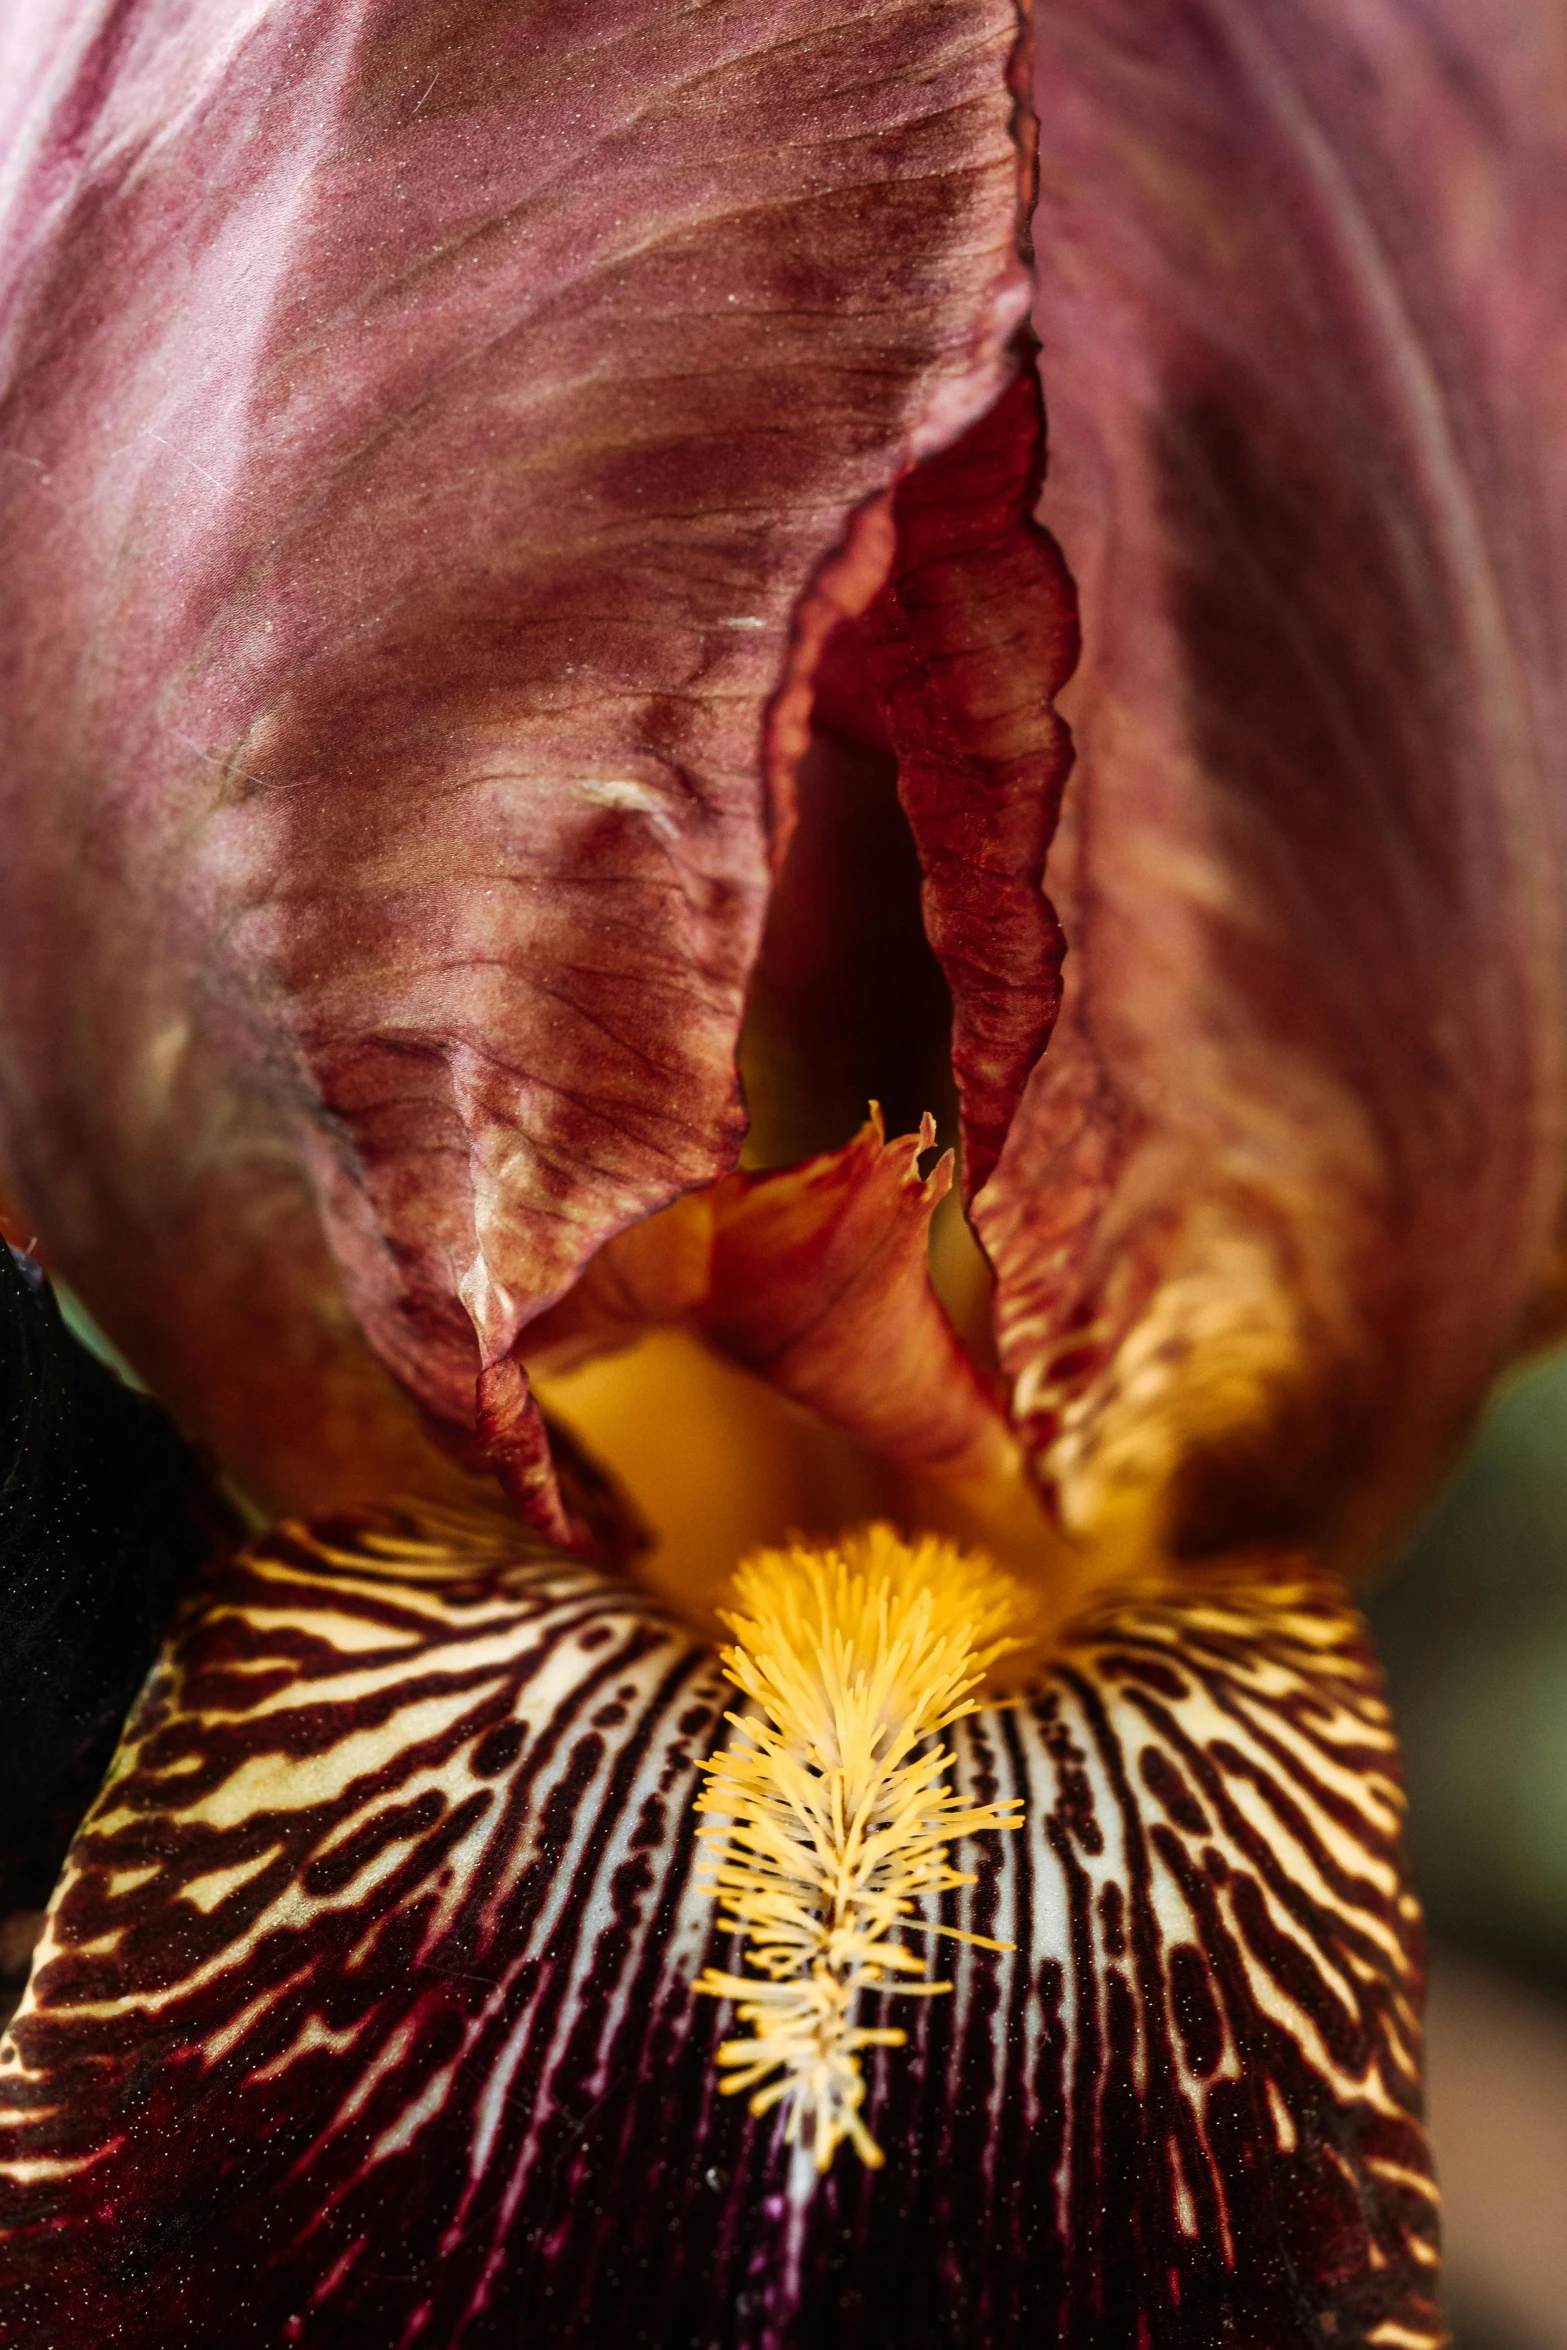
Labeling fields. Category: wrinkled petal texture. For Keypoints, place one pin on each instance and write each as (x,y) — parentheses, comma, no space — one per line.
(431,439)
(364,2008)
(973,635)
(1271,1211)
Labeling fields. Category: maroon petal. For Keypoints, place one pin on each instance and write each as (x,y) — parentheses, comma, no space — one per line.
(364,2010)
(1278,1193)
(969,642)
(422,429)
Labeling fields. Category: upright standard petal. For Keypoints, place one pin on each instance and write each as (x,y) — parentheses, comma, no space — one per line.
(1276,1199)
(431,441)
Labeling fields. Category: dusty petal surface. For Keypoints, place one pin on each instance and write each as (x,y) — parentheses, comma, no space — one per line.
(365,2008)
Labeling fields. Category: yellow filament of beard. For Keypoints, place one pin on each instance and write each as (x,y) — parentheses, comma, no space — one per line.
(834,1817)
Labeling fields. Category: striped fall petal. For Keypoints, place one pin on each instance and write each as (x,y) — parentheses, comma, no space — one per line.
(366,2009)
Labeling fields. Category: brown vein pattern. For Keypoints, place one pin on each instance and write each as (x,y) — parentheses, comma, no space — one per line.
(364,2010)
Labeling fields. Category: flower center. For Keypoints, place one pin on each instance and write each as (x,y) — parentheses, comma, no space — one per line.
(809,1344)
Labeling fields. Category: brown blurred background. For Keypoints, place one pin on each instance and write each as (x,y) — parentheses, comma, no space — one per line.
(1473,1628)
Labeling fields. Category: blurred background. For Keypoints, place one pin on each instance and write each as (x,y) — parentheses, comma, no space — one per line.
(1472,1623)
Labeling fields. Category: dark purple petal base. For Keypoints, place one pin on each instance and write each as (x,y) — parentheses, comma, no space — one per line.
(364,2013)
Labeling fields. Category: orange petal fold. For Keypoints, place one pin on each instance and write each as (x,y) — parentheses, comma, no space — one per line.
(816,1278)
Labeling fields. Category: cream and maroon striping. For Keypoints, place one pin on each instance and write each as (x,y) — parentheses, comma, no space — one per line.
(364,2012)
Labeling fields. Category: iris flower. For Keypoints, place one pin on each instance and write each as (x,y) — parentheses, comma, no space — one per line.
(547,666)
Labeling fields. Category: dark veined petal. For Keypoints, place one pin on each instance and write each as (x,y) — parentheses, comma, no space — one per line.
(1273,1206)
(364,2009)
(432,439)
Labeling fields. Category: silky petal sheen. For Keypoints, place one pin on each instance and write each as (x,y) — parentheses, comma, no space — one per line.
(1277,1195)
(364,2007)
(422,429)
